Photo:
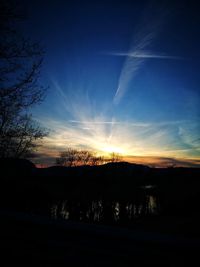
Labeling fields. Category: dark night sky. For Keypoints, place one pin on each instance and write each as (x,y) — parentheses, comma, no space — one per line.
(123,76)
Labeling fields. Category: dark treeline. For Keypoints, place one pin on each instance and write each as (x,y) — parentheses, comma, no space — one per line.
(72,157)
(113,192)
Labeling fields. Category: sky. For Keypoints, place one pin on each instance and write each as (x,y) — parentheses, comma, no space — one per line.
(123,77)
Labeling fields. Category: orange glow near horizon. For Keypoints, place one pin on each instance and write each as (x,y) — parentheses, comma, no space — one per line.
(149,160)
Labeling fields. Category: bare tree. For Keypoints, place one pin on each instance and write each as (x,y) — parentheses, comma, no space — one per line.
(68,157)
(21,139)
(84,157)
(95,160)
(20,65)
(74,157)
(115,157)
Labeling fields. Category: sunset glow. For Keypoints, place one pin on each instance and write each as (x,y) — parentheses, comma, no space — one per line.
(112,149)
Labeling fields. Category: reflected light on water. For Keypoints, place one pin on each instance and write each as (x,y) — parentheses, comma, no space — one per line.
(100,211)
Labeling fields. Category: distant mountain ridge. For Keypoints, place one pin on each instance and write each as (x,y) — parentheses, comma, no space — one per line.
(15,167)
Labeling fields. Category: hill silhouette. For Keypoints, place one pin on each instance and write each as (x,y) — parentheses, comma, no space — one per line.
(177,190)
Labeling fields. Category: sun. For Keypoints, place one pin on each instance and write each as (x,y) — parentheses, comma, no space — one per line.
(113,149)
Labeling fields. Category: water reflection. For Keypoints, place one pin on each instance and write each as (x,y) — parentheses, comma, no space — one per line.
(103,210)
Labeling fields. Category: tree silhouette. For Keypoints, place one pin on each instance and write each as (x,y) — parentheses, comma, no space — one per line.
(20,65)
(115,157)
(74,157)
(97,160)
(84,157)
(68,157)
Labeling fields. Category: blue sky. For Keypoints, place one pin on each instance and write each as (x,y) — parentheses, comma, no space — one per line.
(123,76)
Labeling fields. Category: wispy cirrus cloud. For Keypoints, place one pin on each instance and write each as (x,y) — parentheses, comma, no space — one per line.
(154,161)
(143,55)
(144,35)
(113,122)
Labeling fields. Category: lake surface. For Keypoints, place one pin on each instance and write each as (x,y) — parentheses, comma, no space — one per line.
(99,210)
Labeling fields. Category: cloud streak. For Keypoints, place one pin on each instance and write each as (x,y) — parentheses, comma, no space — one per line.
(145,55)
(165,161)
(147,31)
(136,124)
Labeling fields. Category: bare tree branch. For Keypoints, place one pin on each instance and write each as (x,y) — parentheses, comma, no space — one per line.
(20,66)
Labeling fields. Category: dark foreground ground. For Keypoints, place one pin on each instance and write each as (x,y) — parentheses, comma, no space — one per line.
(34,240)
(168,237)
